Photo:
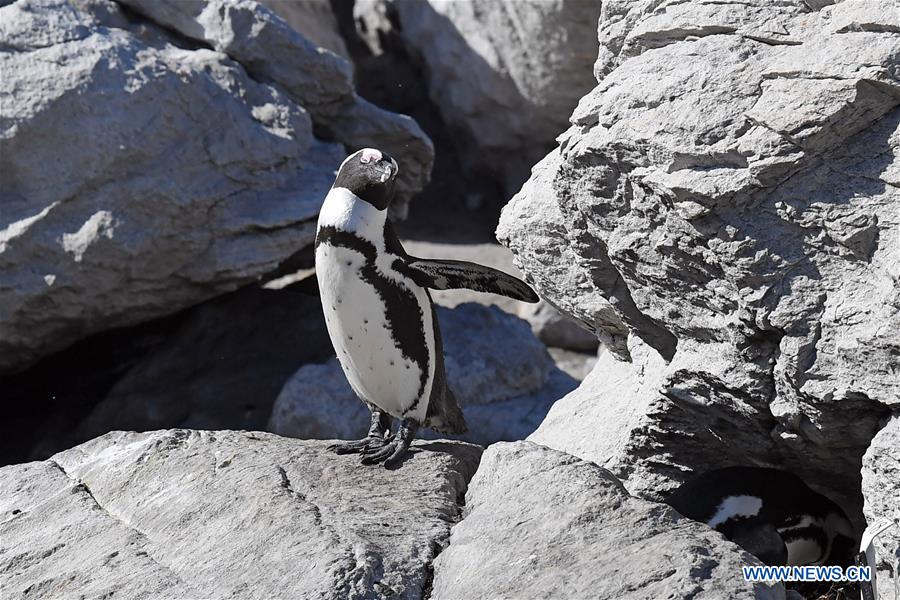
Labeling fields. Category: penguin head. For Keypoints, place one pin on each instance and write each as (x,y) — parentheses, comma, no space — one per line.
(370,175)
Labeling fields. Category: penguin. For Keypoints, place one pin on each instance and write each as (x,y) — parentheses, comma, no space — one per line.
(379,312)
(771,513)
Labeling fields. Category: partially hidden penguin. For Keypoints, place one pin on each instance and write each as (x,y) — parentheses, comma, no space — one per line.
(770,513)
(380,315)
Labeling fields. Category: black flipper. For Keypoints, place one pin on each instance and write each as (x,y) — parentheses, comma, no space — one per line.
(455,274)
(761,540)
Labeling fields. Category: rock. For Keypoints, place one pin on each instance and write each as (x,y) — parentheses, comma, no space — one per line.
(321,82)
(655,424)
(223,514)
(504,75)
(881,489)
(501,374)
(740,222)
(576,364)
(557,329)
(313,19)
(542,524)
(222,368)
(162,206)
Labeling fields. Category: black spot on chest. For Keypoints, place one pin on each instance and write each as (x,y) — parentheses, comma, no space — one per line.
(403,313)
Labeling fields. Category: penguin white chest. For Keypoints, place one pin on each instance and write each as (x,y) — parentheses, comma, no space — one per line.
(380,323)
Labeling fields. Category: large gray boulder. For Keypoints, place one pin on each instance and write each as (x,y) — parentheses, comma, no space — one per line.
(162,156)
(502,376)
(543,524)
(505,75)
(881,489)
(224,514)
(729,190)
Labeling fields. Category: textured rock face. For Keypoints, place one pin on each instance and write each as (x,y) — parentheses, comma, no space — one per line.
(504,74)
(881,489)
(222,369)
(144,171)
(223,514)
(501,374)
(558,330)
(543,524)
(730,190)
(313,19)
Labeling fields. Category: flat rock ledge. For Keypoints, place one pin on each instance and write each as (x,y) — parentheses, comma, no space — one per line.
(222,514)
(543,524)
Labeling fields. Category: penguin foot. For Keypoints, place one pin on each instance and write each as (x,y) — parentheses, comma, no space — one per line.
(364,446)
(392,453)
(379,436)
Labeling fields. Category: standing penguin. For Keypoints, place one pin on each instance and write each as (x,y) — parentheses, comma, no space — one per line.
(380,315)
(772,514)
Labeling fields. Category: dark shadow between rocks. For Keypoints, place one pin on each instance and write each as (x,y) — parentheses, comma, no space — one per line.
(462,202)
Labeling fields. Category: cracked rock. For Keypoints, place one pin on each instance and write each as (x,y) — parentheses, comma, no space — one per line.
(726,198)
(222,514)
(543,524)
(156,156)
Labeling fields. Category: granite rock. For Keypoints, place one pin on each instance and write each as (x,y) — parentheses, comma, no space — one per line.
(729,190)
(557,329)
(543,524)
(162,155)
(313,19)
(220,514)
(222,368)
(505,75)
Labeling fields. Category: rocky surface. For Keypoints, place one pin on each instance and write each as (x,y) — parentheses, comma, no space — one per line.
(728,195)
(222,368)
(152,204)
(502,376)
(557,329)
(505,75)
(577,364)
(221,514)
(313,19)
(543,524)
(881,489)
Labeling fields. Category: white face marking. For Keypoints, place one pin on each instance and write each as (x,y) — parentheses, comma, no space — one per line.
(342,209)
(736,506)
